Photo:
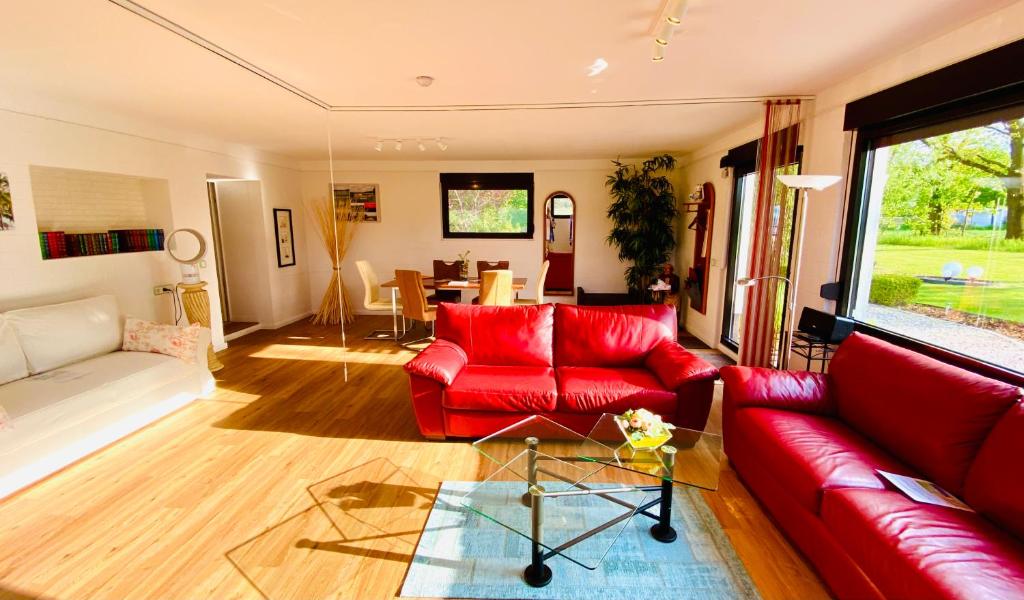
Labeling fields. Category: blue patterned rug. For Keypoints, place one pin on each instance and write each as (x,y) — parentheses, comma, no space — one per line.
(464,555)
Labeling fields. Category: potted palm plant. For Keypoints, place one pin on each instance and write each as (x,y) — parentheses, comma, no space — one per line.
(643,212)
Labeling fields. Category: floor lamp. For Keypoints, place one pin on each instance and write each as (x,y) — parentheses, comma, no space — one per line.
(802,183)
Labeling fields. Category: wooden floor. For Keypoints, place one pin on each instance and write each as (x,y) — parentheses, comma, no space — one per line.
(289,482)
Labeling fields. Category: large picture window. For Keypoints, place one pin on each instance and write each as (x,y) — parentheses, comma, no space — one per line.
(487,205)
(935,250)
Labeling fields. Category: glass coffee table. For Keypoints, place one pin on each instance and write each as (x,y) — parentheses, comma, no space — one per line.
(573,495)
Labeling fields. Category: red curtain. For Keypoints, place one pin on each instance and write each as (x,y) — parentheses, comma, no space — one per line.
(765,300)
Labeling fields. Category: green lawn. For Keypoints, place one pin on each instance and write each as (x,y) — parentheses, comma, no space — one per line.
(914,260)
(1002,301)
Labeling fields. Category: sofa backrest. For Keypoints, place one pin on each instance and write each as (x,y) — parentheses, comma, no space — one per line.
(12,358)
(59,334)
(499,335)
(930,414)
(994,485)
(610,336)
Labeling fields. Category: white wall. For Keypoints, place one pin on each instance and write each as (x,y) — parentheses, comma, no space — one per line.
(409,233)
(827,151)
(28,280)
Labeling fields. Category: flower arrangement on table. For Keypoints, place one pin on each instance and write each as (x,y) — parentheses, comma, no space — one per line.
(644,429)
(464,267)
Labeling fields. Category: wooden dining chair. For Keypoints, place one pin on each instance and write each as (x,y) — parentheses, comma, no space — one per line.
(451,271)
(483,265)
(495,288)
(414,301)
(541,278)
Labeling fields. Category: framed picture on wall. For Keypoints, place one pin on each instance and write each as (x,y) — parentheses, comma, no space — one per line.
(285,237)
(6,204)
(364,197)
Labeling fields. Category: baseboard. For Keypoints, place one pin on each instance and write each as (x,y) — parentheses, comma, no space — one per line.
(290,320)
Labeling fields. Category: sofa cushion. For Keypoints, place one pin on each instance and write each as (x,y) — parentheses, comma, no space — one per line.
(59,334)
(502,388)
(809,454)
(929,414)
(12,359)
(499,335)
(994,486)
(610,336)
(914,550)
(594,390)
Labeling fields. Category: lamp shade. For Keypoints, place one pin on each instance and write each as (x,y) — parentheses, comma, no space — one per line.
(809,182)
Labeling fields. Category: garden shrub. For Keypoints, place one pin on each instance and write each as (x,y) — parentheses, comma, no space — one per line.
(893,290)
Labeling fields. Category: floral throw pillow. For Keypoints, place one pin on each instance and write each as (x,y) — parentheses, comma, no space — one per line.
(147,336)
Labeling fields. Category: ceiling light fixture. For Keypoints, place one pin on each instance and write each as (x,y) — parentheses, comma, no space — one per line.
(424,80)
(441,145)
(379,146)
(659,53)
(419,144)
(597,67)
(398,144)
(677,8)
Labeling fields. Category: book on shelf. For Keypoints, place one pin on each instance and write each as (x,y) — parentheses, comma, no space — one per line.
(58,244)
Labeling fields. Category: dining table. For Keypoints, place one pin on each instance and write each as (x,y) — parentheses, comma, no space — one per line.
(429,283)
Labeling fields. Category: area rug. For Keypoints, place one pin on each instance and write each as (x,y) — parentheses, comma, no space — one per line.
(464,555)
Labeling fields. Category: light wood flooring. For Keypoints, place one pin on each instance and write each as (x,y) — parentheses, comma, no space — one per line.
(289,482)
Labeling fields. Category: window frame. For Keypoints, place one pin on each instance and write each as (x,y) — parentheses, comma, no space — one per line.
(866,142)
(487,181)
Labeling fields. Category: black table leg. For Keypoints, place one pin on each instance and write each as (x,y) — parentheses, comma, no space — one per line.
(663,531)
(537,574)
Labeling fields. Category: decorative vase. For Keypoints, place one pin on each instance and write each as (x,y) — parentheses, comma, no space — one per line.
(464,270)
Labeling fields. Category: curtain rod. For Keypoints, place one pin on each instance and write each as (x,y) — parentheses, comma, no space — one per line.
(571,105)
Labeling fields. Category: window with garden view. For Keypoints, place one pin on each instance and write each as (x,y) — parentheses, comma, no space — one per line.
(487,205)
(942,248)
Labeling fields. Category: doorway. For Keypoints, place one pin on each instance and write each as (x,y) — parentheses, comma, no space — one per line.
(236,217)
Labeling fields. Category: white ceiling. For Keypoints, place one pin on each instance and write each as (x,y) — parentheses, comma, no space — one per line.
(104,65)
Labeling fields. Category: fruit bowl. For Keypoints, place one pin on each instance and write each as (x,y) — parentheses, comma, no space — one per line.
(653,438)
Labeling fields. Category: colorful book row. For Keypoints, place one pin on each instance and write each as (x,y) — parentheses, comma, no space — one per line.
(57,244)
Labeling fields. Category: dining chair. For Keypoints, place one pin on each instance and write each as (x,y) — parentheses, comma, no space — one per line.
(495,288)
(373,302)
(483,265)
(450,271)
(541,277)
(415,305)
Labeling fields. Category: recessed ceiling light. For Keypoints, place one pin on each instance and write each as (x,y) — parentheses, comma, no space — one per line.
(597,67)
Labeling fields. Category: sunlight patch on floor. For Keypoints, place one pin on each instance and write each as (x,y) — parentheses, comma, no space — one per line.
(329,354)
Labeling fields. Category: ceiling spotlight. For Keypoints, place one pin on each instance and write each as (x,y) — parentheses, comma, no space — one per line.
(398,144)
(379,146)
(441,145)
(419,144)
(664,33)
(424,80)
(676,11)
(659,53)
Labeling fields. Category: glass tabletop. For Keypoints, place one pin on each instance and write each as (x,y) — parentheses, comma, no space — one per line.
(580,519)
(690,457)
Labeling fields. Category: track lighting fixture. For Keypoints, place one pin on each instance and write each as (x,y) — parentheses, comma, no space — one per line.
(441,145)
(398,145)
(666,23)
(659,53)
(677,8)
(379,146)
(421,143)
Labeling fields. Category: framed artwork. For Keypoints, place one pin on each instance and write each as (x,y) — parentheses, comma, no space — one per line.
(285,237)
(364,198)
(6,204)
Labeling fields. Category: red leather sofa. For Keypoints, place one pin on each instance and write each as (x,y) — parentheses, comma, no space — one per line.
(807,446)
(491,366)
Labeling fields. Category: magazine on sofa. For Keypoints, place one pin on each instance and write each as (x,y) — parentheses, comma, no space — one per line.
(922,490)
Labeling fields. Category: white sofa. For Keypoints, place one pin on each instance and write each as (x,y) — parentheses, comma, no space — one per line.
(68,389)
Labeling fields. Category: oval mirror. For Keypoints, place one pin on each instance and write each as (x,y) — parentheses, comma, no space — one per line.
(186,246)
(560,243)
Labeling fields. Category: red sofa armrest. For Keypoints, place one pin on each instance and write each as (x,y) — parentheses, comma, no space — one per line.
(800,391)
(674,365)
(441,361)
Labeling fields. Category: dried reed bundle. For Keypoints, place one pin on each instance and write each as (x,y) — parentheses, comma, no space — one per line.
(335,225)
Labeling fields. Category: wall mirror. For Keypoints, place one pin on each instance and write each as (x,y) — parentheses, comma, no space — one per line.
(560,243)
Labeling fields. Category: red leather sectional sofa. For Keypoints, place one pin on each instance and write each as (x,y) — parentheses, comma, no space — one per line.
(807,445)
(491,366)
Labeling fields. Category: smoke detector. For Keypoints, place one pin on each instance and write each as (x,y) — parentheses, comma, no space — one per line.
(424,80)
